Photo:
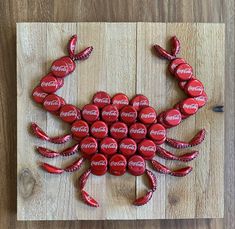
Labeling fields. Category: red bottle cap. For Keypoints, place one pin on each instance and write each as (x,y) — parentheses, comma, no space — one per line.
(71,64)
(128,114)
(99,129)
(175,63)
(117,164)
(127,147)
(99,172)
(194,88)
(109,113)
(49,83)
(177,107)
(88,146)
(80,129)
(147,115)
(69,113)
(99,162)
(101,99)
(52,102)
(60,82)
(136,165)
(38,94)
(157,132)
(172,117)
(147,149)
(202,99)
(184,72)
(108,146)
(189,106)
(139,101)
(120,100)
(118,130)
(160,119)
(90,113)
(60,68)
(137,131)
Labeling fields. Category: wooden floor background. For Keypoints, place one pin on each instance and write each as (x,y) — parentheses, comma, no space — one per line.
(117,10)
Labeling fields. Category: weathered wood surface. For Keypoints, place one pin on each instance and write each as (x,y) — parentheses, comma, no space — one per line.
(122,61)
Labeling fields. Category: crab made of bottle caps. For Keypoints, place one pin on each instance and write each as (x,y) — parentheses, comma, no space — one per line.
(117,134)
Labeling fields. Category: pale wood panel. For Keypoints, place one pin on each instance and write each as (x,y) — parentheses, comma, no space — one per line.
(151,81)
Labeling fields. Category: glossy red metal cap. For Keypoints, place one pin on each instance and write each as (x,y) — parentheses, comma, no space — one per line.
(52,102)
(128,114)
(117,164)
(184,72)
(99,129)
(99,163)
(175,63)
(118,130)
(49,83)
(136,165)
(88,146)
(60,68)
(147,115)
(101,99)
(69,113)
(172,117)
(80,129)
(120,100)
(108,146)
(137,131)
(127,147)
(139,101)
(71,64)
(157,132)
(202,99)
(147,149)
(194,88)
(90,113)
(109,113)
(38,94)
(189,106)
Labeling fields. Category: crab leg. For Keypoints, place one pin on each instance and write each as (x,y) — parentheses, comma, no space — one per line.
(196,140)
(84,195)
(50,153)
(71,168)
(39,133)
(177,173)
(170,156)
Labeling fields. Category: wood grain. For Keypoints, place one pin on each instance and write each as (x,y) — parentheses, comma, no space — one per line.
(13,11)
(133,69)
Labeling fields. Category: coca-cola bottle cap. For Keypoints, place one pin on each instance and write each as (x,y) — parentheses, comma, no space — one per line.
(194,88)
(101,99)
(202,99)
(136,165)
(99,129)
(172,117)
(60,68)
(69,113)
(49,83)
(120,100)
(71,64)
(137,131)
(147,115)
(175,63)
(88,146)
(118,130)
(157,132)
(128,114)
(52,102)
(184,72)
(90,113)
(147,149)
(189,106)
(38,94)
(109,113)
(108,146)
(139,101)
(127,147)
(80,129)
(99,162)
(117,163)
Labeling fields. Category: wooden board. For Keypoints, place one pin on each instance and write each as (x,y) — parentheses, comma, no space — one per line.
(122,61)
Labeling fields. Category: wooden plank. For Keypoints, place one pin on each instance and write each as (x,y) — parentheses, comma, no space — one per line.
(122,61)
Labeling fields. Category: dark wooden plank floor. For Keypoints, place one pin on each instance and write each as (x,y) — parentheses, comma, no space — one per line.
(12,11)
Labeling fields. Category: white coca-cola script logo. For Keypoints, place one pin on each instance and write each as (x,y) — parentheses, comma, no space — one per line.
(184,71)
(88,145)
(52,103)
(101,100)
(59,68)
(157,132)
(49,84)
(68,113)
(148,148)
(128,114)
(173,117)
(117,163)
(200,98)
(136,163)
(141,103)
(118,130)
(149,115)
(40,94)
(110,113)
(120,102)
(98,163)
(109,146)
(90,112)
(197,88)
(98,129)
(190,106)
(127,146)
(137,131)
(82,129)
